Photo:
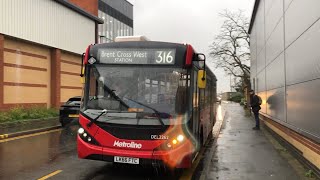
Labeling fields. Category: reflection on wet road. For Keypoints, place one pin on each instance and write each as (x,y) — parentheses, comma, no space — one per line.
(219,113)
(54,153)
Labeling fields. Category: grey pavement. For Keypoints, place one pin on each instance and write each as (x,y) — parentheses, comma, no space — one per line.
(243,153)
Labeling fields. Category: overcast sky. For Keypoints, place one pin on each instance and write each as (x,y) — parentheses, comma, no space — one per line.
(190,21)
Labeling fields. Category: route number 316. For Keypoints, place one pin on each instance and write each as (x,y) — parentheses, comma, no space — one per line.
(164,57)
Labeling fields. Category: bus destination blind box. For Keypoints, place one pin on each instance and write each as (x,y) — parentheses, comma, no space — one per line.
(137,56)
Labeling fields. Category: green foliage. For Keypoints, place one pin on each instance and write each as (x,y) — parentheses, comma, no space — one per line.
(309,174)
(20,113)
(236,97)
(243,102)
(4,117)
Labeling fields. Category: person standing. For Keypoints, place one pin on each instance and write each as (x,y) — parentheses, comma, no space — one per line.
(255,102)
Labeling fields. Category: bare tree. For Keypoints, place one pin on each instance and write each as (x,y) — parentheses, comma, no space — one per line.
(230,49)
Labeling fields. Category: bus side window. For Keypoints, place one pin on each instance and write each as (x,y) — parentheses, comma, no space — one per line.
(93,84)
(181,103)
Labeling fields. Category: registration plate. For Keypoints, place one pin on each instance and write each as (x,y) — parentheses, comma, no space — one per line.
(73,115)
(126,160)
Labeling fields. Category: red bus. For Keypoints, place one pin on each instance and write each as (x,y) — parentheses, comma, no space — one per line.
(145,102)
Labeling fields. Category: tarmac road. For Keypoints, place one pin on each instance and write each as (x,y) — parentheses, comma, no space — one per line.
(52,154)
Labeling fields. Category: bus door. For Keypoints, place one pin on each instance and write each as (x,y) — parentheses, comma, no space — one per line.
(195,121)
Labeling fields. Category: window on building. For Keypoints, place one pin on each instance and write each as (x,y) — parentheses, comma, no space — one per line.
(103,25)
(118,28)
(115,28)
(131,31)
(127,30)
(121,29)
(111,30)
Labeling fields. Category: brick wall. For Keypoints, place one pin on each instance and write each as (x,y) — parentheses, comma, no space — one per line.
(33,74)
(90,6)
(26,74)
(70,76)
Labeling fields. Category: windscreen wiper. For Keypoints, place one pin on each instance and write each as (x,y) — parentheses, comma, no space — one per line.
(115,96)
(95,119)
(155,111)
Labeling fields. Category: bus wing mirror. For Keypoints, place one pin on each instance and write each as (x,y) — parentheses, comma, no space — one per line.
(82,78)
(202,79)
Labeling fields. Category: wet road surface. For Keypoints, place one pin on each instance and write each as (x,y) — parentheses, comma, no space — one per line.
(240,154)
(54,153)
(243,153)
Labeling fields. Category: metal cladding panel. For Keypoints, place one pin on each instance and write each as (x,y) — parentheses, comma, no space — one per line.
(300,15)
(253,51)
(273,16)
(253,67)
(290,82)
(252,79)
(261,60)
(303,57)
(275,73)
(287,4)
(263,106)
(259,22)
(261,81)
(268,5)
(303,106)
(46,22)
(275,44)
(275,102)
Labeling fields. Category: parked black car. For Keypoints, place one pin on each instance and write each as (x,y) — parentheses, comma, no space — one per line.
(219,100)
(69,111)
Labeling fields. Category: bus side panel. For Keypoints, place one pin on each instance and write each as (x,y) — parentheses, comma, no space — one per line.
(205,121)
(85,149)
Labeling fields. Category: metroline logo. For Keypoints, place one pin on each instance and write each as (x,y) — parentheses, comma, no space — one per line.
(127,144)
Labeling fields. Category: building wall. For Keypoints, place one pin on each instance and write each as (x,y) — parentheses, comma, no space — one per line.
(41,42)
(46,22)
(90,6)
(122,6)
(285,63)
(70,76)
(33,74)
(26,70)
(118,20)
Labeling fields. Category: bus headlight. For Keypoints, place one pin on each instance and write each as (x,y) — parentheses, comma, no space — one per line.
(172,143)
(180,138)
(85,136)
(80,130)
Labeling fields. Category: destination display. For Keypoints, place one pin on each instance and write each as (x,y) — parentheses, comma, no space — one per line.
(137,56)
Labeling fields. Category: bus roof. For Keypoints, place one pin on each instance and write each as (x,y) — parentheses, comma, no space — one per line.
(130,38)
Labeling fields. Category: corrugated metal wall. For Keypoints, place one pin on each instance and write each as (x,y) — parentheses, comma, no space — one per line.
(46,22)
